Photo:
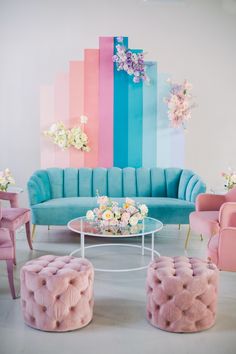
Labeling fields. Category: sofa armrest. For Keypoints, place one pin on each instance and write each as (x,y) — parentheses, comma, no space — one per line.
(209,202)
(11,197)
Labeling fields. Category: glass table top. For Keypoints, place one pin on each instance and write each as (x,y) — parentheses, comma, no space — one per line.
(91,228)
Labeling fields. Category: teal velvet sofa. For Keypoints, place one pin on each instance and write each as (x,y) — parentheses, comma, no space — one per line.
(58,195)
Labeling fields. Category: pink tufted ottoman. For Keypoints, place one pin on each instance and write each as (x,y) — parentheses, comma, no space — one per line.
(181,294)
(57,293)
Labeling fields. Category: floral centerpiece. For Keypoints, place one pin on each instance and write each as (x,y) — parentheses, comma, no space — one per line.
(230,179)
(6,179)
(179,103)
(132,63)
(110,216)
(66,138)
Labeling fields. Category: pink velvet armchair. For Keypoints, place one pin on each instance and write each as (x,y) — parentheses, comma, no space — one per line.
(215,217)
(7,254)
(15,217)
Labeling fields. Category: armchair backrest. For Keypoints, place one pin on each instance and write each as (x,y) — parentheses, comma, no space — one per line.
(114,182)
(231,195)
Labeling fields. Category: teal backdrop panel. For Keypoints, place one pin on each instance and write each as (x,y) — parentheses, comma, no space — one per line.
(120,126)
(135,121)
(150,117)
(163,124)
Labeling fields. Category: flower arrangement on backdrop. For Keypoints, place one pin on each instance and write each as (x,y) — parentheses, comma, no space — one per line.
(132,63)
(179,103)
(230,179)
(65,138)
(112,217)
(6,179)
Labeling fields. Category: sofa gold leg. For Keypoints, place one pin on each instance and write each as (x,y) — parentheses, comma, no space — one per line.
(179,226)
(201,237)
(187,238)
(33,232)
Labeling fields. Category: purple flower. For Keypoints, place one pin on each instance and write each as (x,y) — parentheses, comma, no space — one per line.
(119,39)
(136,79)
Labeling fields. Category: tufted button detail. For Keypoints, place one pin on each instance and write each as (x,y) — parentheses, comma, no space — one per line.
(187,295)
(48,281)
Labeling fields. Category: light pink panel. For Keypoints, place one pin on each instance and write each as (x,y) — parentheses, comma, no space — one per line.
(105,142)
(62,114)
(47,157)
(91,103)
(76,106)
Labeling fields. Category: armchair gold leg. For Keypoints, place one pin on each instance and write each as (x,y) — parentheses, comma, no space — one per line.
(201,237)
(48,227)
(33,232)
(179,226)
(187,238)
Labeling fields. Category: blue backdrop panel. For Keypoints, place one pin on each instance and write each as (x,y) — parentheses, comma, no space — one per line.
(135,117)
(121,81)
(150,117)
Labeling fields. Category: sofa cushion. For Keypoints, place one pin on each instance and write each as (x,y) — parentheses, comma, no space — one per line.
(60,211)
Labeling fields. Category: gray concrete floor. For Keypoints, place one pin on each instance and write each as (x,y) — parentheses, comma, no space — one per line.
(119,324)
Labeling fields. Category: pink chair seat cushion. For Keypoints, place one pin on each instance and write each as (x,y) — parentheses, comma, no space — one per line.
(57,293)
(6,245)
(12,218)
(205,222)
(181,294)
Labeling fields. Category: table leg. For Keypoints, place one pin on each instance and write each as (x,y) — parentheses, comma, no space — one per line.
(152,246)
(142,245)
(82,245)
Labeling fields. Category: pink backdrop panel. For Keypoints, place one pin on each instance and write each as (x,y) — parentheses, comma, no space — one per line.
(62,114)
(47,151)
(76,106)
(91,103)
(105,142)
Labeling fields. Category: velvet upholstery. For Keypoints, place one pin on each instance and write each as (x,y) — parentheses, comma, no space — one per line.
(57,293)
(58,195)
(181,294)
(14,217)
(222,245)
(213,214)
(7,254)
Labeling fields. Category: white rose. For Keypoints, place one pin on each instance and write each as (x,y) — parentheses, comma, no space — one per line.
(83,119)
(90,215)
(143,209)
(133,220)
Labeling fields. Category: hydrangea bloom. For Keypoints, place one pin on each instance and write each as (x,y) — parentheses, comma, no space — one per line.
(179,103)
(132,63)
(66,138)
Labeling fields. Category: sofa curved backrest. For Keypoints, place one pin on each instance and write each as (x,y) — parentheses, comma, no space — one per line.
(114,182)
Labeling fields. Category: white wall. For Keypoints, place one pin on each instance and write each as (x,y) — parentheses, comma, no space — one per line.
(193,39)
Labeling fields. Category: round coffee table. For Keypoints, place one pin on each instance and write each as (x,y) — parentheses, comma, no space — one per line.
(148,227)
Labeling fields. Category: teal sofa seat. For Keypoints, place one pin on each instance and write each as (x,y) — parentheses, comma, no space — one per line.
(58,195)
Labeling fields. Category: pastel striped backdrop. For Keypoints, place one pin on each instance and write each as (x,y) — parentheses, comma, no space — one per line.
(128,123)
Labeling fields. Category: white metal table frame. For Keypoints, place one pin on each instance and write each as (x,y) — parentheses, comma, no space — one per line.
(142,247)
